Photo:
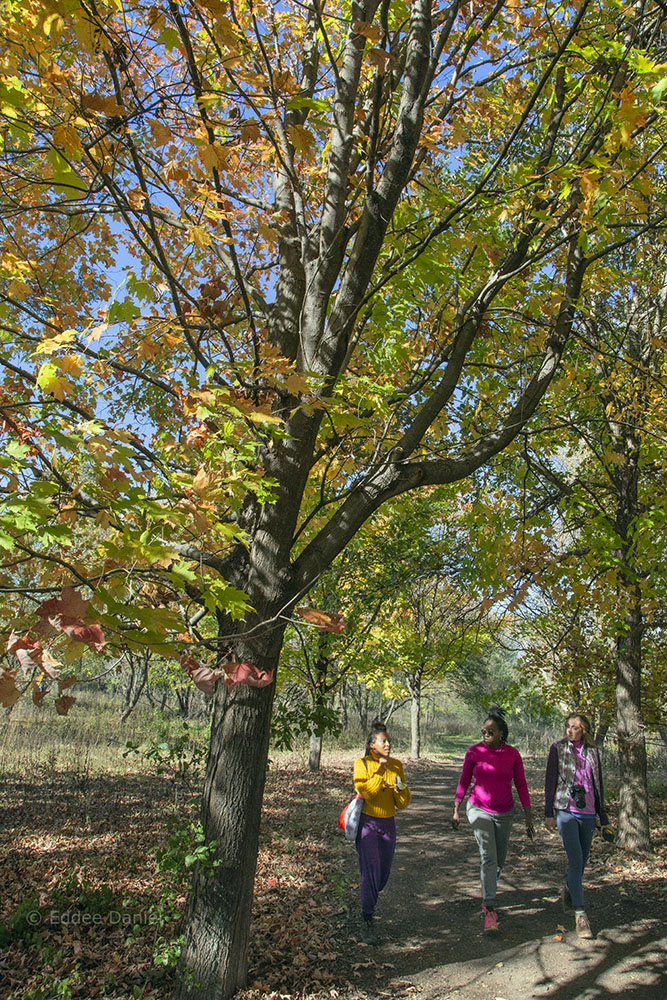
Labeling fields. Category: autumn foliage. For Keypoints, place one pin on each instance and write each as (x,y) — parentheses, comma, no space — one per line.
(265,267)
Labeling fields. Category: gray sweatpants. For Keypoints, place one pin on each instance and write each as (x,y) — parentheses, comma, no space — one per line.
(492,833)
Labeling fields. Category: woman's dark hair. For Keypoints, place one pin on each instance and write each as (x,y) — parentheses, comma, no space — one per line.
(585,725)
(376,727)
(497,715)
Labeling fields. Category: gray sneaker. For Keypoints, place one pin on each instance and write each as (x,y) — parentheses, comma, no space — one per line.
(582,926)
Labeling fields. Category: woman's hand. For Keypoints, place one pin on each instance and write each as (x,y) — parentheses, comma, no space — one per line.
(530,828)
(456,820)
(550,823)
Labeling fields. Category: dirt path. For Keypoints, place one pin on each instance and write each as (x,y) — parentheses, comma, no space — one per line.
(432,944)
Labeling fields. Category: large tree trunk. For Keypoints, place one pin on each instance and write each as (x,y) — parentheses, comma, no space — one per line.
(214,960)
(626,436)
(633,817)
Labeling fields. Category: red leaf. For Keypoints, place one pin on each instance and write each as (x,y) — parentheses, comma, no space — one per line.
(203,677)
(31,654)
(326,621)
(64,703)
(66,613)
(246,673)
(92,635)
(38,695)
(70,605)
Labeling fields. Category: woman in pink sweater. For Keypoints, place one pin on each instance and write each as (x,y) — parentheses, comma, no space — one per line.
(492,766)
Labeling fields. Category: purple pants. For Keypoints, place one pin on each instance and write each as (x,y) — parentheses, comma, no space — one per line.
(376,843)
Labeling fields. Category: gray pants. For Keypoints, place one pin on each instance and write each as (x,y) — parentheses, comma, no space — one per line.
(492,833)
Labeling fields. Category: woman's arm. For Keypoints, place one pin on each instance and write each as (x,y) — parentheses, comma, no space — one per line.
(521,786)
(602,812)
(550,782)
(369,777)
(520,782)
(462,788)
(401,791)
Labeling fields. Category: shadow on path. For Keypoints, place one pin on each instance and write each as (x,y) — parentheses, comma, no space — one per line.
(430,921)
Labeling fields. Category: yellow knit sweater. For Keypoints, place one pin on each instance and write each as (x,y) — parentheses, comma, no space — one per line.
(381,797)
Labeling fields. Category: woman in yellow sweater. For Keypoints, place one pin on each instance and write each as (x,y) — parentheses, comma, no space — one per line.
(379,779)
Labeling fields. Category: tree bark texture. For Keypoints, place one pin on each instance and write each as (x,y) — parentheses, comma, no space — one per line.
(314,751)
(415,722)
(633,816)
(214,960)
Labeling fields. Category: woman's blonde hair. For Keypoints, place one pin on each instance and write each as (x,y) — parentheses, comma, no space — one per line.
(585,725)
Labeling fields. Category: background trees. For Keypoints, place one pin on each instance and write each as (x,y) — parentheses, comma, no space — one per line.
(267,266)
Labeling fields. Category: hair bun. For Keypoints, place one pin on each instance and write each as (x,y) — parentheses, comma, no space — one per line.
(497,711)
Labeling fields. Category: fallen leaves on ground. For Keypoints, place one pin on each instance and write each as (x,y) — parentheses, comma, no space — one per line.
(82,897)
(73,845)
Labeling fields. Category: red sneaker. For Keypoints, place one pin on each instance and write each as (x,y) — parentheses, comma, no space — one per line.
(490,919)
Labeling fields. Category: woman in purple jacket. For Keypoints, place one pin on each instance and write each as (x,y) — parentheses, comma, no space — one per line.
(574,792)
(492,766)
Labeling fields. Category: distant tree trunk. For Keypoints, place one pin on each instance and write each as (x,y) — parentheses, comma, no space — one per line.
(414,687)
(663,734)
(158,700)
(137,681)
(387,710)
(315,749)
(318,696)
(362,699)
(341,704)
(184,698)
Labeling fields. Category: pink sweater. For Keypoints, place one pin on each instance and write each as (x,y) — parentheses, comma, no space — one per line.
(492,770)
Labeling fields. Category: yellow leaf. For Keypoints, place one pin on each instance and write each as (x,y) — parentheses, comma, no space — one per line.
(53,24)
(52,383)
(160,133)
(71,364)
(379,58)
(67,138)
(302,139)
(201,481)
(97,332)
(209,155)
(173,171)
(200,236)
(136,199)
(263,417)
(54,344)
(19,290)
(171,340)
(147,349)
(370,31)
(224,30)
(102,105)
